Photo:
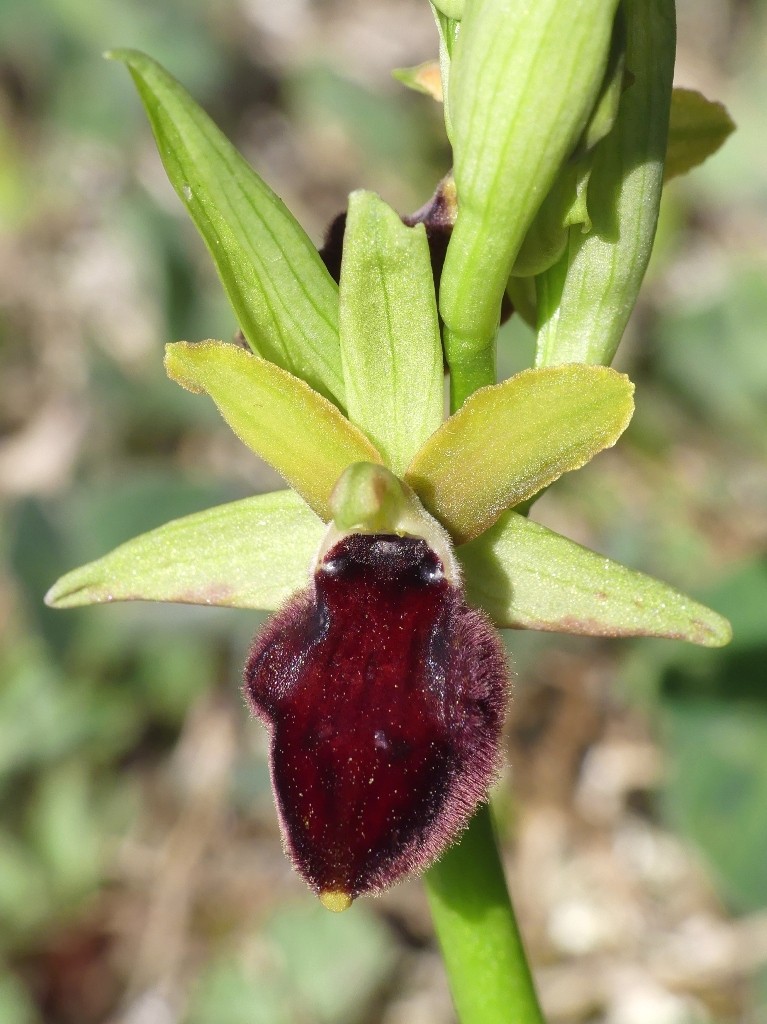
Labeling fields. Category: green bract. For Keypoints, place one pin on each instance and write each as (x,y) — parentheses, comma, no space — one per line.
(505,444)
(285,301)
(585,300)
(521,90)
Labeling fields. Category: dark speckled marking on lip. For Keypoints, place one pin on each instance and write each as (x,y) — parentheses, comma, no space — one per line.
(385,695)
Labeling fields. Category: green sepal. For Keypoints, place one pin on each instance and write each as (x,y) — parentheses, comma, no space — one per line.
(425,78)
(391,350)
(252,553)
(285,300)
(566,204)
(528,577)
(279,417)
(697,128)
(520,94)
(509,441)
(586,298)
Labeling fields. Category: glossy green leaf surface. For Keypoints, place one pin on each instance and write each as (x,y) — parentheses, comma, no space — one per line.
(390,343)
(510,440)
(284,299)
(521,91)
(698,127)
(298,432)
(248,554)
(528,577)
(585,300)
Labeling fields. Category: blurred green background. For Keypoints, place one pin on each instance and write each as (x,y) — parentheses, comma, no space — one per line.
(141,875)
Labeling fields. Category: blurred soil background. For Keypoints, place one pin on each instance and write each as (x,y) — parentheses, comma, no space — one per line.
(141,875)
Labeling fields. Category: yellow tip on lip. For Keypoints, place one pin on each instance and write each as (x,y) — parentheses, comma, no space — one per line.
(335,900)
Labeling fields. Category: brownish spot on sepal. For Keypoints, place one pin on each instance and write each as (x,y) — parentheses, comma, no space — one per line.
(385,695)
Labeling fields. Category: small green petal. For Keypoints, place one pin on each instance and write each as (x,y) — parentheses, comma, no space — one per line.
(303,435)
(285,301)
(390,344)
(528,577)
(509,441)
(698,127)
(247,554)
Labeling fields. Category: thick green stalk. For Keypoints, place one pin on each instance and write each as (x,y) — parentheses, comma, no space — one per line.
(469,371)
(485,960)
(484,957)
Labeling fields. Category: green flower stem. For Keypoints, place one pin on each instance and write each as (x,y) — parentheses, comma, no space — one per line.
(484,957)
(485,960)
(468,370)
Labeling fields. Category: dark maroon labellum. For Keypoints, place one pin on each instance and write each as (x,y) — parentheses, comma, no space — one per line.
(385,694)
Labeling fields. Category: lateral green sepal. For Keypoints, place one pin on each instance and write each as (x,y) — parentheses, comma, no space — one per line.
(528,577)
(236,555)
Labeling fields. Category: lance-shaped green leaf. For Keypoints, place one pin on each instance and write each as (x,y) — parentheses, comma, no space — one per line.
(523,81)
(284,299)
(509,441)
(252,553)
(585,300)
(278,416)
(528,577)
(390,343)
(697,128)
